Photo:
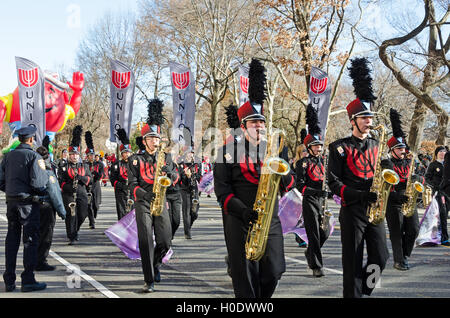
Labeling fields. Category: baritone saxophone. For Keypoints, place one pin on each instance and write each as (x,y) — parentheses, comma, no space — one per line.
(272,170)
(160,185)
(383,179)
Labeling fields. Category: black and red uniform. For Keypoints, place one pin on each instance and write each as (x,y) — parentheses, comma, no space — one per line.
(351,169)
(81,173)
(403,230)
(141,172)
(174,201)
(97,170)
(119,180)
(310,176)
(189,192)
(236,178)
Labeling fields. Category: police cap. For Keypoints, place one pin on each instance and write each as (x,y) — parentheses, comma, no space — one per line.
(26,132)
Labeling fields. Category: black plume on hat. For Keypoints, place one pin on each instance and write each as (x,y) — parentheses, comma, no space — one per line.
(312,120)
(396,123)
(76,136)
(256,82)
(154,111)
(46,142)
(232,116)
(89,140)
(139,143)
(122,135)
(303,134)
(362,81)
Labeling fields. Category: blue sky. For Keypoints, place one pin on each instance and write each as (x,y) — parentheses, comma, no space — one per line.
(47,32)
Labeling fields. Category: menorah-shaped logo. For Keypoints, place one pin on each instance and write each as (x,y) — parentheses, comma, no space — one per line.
(244,84)
(318,86)
(28,78)
(121,80)
(180,80)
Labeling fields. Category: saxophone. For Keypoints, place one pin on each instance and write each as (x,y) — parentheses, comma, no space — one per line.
(427,196)
(272,170)
(327,214)
(383,179)
(160,185)
(412,192)
(73,204)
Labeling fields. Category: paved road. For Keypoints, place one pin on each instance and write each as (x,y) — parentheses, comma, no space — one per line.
(96,268)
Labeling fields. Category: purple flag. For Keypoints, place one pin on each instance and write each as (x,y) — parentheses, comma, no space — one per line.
(206,183)
(429,231)
(290,214)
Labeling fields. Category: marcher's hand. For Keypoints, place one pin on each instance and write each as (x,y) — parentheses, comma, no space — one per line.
(149,196)
(403,199)
(369,197)
(250,215)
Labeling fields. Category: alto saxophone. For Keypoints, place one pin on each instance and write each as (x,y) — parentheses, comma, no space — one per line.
(383,179)
(327,214)
(160,185)
(412,192)
(427,196)
(73,204)
(273,169)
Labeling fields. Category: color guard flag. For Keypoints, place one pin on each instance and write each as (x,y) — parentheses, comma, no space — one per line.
(31,96)
(122,98)
(183,96)
(319,96)
(243,84)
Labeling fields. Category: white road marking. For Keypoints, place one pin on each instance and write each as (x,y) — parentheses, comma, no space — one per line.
(77,271)
(305,263)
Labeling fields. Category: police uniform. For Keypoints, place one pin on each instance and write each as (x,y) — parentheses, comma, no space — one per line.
(75,177)
(141,172)
(189,192)
(310,175)
(236,177)
(22,178)
(350,175)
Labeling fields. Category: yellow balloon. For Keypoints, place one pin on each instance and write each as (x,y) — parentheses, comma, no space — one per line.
(70,114)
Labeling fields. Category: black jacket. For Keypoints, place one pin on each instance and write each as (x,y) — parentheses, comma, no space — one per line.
(309,173)
(434,174)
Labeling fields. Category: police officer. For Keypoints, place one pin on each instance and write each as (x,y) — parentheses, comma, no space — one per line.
(75,177)
(49,204)
(309,173)
(236,178)
(350,174)
(119,175)
(403,230)
(22,178)
(141,178)
(190,176)
(94,189)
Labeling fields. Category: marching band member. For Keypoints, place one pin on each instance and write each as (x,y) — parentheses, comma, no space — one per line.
(75,178)
(309,172)
(94,190)
(141,173)
(434,177)
(403,230)
(236,177)
(350,175)
(119,175)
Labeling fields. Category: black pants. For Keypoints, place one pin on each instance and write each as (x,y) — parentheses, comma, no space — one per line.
(443,214)
(74,222)
(46,227)
(254,279)
(403,231)
(356,230)
(21,216)
(174,201)
(190,213)
(121,201)
(151,256)
(312,216)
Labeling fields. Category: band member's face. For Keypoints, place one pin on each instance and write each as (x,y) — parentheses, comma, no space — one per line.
(189,156)
(399,152)
(363,123)
(254,129)
(91,157)
(126,155)
(151,142)
(316,149)
(441,154)
(65,155)
(74,157)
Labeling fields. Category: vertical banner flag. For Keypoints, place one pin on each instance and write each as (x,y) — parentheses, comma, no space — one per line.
(319,96)
(31,96)
(122,98)
(243,84)
(183,96)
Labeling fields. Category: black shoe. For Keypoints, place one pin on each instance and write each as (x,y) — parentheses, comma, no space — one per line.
(446,243)
(45,267)
(76,237)
(400,266)
(405,262)
(188,236)
(33,287)
(148,288)
(71,242)
(92,226)
(317,272)
(157,275)
(10,288)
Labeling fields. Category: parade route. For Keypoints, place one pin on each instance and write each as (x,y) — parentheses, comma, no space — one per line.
(96,268)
